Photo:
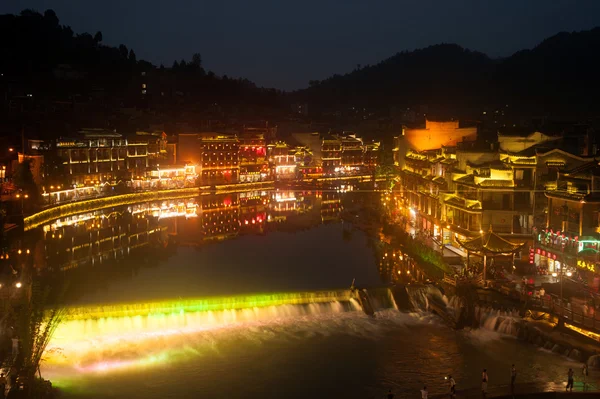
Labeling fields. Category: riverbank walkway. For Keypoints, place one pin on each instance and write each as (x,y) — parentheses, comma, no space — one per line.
(528,390)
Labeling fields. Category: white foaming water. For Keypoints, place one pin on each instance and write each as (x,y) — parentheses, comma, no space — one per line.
(115,343)
(501,321)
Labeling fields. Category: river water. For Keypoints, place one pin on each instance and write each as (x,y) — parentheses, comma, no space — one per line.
(232,245)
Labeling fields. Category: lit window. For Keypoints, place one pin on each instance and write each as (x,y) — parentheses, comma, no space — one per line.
(143,85)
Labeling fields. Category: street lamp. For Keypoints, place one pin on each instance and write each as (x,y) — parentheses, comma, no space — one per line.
(562,305)
(22,198)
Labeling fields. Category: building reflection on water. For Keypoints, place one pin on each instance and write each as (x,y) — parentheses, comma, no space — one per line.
(114,234)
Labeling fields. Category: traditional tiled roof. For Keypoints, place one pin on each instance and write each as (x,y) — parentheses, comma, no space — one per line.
(588,168)
(455,201)
(490,243)
(439,180)
(468,179)
(496,183)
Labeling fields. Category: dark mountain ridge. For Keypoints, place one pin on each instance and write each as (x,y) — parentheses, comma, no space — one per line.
(559,74)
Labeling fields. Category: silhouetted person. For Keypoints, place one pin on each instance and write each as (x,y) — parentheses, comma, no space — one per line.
(452,386)
(484,382)
(585,373)
(570,381)
(424,392)
(513,377)
(390,395)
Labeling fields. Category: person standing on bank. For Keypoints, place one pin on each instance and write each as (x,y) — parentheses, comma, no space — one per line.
(484,382)
(585,373)
(513,377)
(570,380)
(452,387)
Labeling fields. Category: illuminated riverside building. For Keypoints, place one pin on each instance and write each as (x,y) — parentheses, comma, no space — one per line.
(371,155)
(352,158)
(571,239)
(283,159)
(94,156)
(158,147)
(253,156)
(331,151)
(166,177)
(219,159)
(436,134)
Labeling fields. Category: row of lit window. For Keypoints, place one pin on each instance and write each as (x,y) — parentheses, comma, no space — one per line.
(220,146)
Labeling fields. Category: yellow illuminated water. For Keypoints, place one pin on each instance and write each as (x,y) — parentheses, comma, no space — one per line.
(104,338)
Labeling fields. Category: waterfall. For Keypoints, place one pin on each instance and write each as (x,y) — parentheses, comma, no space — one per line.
(421,297)
(93,336)
(502,321)
(417,298)
(381,298)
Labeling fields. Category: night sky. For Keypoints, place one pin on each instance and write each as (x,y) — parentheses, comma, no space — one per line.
(284,44)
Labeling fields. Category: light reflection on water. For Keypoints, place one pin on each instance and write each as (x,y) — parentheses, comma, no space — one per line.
(343,354)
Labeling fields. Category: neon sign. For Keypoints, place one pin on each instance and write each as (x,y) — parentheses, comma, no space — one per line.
(586,265)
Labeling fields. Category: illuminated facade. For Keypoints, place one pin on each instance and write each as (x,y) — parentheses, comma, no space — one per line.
(253,156)
(219,159)
(437,134)
(331,151)
(371,155)
(166,177)
(352,153)
(157,147)
(348,154)
(94,156)
(283,159)
(570,243)
(456,193)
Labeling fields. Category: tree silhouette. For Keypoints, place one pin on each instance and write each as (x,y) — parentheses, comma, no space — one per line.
(132,57)
(98,37)
(51,18)
(123,51)
(196,61)
(23,179)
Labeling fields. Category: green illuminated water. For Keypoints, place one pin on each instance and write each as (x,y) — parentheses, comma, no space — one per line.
(205,304)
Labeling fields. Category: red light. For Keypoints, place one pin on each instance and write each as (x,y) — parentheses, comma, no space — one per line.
(539,251)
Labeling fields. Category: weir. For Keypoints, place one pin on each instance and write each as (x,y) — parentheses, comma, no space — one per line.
(205,304)
(97,337)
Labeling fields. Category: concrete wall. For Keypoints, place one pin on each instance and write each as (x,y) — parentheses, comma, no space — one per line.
(437,134)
